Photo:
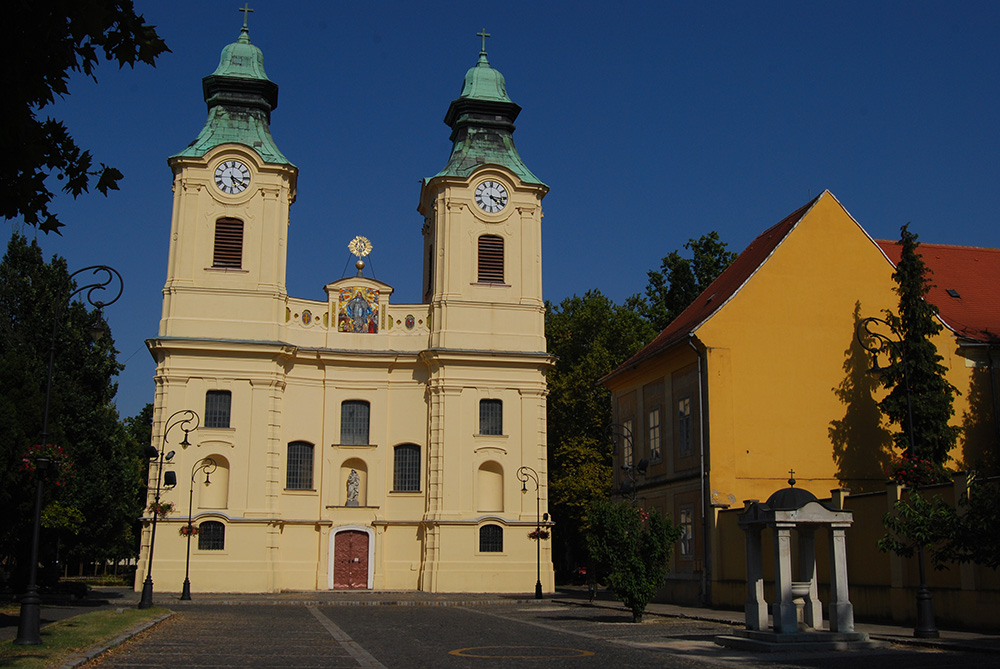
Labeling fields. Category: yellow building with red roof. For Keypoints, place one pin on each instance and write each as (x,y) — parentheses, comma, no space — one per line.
(763,374)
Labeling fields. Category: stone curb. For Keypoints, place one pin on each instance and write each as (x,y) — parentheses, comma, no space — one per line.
(81,658)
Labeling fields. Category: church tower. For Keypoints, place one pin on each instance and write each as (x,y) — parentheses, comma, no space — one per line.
(232,190)
(482,231)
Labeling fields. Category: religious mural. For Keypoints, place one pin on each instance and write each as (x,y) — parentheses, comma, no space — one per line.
(358,310)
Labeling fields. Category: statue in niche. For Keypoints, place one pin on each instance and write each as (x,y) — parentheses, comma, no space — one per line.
(353,483)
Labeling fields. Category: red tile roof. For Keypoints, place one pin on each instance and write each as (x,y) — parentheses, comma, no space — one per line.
(973,274)
(720,290)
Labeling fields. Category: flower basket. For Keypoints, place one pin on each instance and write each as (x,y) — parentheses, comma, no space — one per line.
(538,534)
(189,530)
(161,509)
(60,466)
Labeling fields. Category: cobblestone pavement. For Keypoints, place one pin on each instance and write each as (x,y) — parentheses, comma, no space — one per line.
(486,635)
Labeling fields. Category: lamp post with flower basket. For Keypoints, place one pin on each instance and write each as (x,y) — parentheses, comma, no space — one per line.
(107,282)
(189,422)
(875,342)
(524,474)
(208,466)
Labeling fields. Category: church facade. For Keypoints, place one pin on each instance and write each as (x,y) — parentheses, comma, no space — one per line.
(350,442)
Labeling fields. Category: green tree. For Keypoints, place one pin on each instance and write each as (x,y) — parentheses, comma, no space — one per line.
(680,280)
(41,43)
(83,420)
(633,547)
(931,395)
(590,336)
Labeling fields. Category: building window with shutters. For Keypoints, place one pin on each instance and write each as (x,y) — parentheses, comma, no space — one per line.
(228,244)
(354,416)
(218,404)
(299,472)
(491,539)
(211,536)
(491,417)
(406,468)
(490,259)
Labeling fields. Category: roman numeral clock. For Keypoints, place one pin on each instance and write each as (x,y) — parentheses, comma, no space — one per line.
(232,177)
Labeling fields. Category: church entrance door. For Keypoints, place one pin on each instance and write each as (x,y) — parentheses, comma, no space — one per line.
(350,560)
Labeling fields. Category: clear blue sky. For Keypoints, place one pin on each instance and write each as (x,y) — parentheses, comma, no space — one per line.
(652,122)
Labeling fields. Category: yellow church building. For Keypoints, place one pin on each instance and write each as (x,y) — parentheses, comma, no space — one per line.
(763,374)
(354,442)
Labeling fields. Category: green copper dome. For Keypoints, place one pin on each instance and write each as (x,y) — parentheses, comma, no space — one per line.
(240,99)
(482,123)
(482,82)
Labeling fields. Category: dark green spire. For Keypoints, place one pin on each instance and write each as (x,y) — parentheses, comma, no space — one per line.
(240,98)
(482,123)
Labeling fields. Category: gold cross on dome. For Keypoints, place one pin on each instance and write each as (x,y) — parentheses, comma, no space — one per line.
(484,35)
(246,12)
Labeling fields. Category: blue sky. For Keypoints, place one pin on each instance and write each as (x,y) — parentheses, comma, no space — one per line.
(652,122)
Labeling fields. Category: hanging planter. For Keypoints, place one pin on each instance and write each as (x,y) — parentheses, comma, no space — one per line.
(538,534)
(189,530)
(161,509)
(59,468)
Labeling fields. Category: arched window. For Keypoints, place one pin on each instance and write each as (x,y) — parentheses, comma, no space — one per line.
(211,536)
(490,259)
(228,243)
(354,415)
(491,539)
(406,468)
(218,404)
(490,416)
(299,473)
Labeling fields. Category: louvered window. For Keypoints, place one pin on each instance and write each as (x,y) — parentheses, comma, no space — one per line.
(228,243)
(490,259)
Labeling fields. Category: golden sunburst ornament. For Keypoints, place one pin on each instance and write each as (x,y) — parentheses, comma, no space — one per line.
(360,246)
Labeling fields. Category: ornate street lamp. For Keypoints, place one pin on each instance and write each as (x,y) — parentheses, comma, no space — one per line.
(616,432)
(523,475)
(875,342)
(28,626)
(208,466)
(184,418)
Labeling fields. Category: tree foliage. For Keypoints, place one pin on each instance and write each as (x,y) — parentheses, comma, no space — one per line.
(680,280)
(42,43)
(91,513)
(633,547)
(930,394)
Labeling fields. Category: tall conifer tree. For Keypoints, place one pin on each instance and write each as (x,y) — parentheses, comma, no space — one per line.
(931,395)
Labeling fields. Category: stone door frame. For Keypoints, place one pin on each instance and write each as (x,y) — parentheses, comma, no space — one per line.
(333,546)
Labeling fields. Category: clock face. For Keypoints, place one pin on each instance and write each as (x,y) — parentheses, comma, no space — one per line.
(232,177)
(491,196)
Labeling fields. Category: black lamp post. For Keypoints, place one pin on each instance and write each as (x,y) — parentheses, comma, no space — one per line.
(28,626)
(629,487)
(523,474)
(875,343)
(184,418)
(208,466)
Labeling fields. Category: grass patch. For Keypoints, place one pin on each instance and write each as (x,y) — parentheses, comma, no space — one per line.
(76,634)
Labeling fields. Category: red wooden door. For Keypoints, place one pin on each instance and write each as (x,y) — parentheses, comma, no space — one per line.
(350,560)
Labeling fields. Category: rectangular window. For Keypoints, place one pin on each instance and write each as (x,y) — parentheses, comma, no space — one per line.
(654,435)
(228,243)
(406,468)
(354,419)
(299,472)
(686,523)
(685,437)
(490,416)
(627,442)
(217,408)
(490,259)
(211,536)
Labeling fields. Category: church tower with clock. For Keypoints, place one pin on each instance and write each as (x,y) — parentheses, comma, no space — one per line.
(350,442)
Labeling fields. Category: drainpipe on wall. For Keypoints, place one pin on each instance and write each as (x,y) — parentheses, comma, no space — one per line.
(706,565)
